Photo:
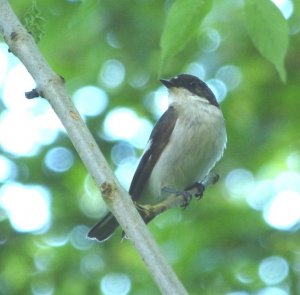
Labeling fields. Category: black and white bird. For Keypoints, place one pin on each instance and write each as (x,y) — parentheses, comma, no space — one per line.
(185,144)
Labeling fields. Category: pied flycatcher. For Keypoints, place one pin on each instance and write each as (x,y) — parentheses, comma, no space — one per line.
(184,146)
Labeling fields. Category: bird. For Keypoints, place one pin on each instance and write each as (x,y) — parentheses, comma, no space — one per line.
(184,145)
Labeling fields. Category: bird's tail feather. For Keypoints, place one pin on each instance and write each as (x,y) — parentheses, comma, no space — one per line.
(104,228)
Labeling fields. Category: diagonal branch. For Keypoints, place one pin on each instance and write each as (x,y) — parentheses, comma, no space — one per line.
(51,86)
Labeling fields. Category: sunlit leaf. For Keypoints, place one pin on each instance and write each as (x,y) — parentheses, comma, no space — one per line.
(269,32)
(182,24)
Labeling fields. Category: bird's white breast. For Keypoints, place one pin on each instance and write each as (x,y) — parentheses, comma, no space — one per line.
(196,144)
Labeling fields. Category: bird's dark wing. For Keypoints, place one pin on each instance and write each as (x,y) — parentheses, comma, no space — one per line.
(104,228)
(159,138)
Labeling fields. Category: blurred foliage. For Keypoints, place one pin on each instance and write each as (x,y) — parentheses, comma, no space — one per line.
(215,245)
(34,22)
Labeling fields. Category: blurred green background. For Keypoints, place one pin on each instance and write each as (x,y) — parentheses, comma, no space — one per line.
(242,238)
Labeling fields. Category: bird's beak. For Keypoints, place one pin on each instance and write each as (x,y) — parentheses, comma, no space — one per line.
(167,83)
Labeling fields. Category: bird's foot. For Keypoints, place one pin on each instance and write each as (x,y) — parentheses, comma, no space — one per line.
(187,196)
(198,189)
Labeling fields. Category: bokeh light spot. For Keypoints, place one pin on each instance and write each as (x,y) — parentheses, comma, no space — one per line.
(210,40)
(18,81)
(230,75)
(42,286)
(272,291)
(91,263)
(238,182)
(125,171)
(285,6)
(219,88)
(157,102)
(112,73)
(24,131)
(261,194)
(56,239)
(273,270)
(112,40)
(78,238)
(196,69)
(293,161)
(16,133)
(124,124)
(27,207)
(91,203)
(115,284)
(288,180)
(139,80)
(43,259)
(90,100)
(238,293)
(283,211)
(122,152)
(59,159)
(121,123)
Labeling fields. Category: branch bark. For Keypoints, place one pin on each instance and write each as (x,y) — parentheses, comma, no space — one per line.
(51,86)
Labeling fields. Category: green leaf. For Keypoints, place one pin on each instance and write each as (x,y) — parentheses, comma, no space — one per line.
(182,24)
(269,32)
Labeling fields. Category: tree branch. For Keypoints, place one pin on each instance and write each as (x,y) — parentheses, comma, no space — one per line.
(51,86)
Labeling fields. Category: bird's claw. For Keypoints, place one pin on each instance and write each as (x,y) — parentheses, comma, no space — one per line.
(187,196)
(200,190)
